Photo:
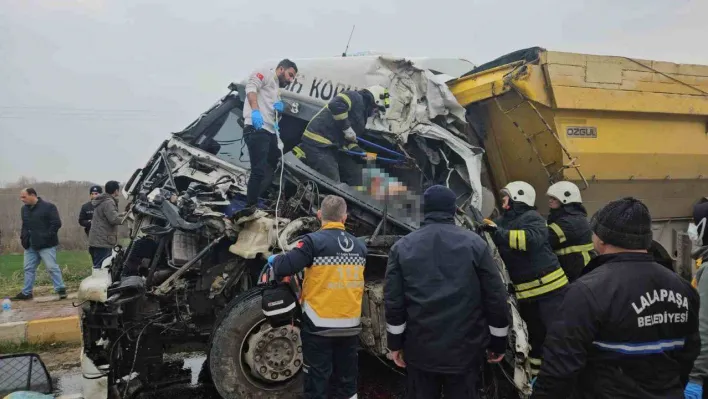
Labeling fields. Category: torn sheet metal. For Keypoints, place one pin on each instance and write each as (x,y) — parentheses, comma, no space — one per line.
(417,97)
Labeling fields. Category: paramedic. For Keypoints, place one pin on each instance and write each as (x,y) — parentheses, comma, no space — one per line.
(333,261)
(263,99)
(334,130)
(538,280)
(568,228)
(445,303)
(628,327)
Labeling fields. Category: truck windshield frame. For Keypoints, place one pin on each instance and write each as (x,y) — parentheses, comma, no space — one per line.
(223,138)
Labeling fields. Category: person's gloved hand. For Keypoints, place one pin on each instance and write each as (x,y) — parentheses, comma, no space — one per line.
(279,106)
(693,391)
(257,119)
(271,258)
(370,156)
(488,225)
(350,134)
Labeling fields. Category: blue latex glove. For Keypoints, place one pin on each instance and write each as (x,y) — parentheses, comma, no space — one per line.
(271,258)
(279,106)
(257,119)
(693,391)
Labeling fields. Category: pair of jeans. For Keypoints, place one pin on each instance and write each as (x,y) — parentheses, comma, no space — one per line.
(98,255)
(32,260)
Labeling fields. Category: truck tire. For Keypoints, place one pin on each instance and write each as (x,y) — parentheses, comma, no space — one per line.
(241,325)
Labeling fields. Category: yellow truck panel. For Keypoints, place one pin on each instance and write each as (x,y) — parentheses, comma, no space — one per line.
(615,125)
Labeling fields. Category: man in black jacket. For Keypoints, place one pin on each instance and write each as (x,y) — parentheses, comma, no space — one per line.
(86,213)
(445,303)
(537,277)
(568,228)
(628,327)
(39,236)
(334,130)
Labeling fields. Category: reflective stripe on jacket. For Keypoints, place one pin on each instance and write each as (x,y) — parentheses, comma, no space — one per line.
(522,239)
(628,328)
(326,129)
(570,238)
(333,261)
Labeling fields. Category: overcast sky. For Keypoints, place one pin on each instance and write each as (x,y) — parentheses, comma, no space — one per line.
(89,88)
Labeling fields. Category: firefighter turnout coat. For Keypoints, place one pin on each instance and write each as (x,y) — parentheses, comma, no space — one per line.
(628,328)
(326,129)
(333,261)
(522,238)
(571,238)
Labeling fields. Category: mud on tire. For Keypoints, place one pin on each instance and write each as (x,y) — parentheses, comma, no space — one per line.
(230,373)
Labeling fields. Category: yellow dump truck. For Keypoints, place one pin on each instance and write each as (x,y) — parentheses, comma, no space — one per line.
(616,126)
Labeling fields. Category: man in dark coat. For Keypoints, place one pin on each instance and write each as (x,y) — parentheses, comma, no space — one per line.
(445,304)
(628,327)
(39,236)
(86,213)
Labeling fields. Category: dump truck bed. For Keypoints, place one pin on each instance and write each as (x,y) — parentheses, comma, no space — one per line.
(614,125)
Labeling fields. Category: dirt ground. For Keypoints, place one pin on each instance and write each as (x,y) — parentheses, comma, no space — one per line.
(42,308)
(61,358)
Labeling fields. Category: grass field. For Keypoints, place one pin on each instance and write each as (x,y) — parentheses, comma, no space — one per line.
(75,266)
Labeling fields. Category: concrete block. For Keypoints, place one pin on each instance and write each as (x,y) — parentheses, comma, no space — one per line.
(60,329)
(14,332)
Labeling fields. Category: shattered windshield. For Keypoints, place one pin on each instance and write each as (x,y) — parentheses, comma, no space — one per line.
(224,139)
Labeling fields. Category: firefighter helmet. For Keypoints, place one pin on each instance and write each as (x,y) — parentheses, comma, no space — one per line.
(565,192)
(520,191)
(382,99)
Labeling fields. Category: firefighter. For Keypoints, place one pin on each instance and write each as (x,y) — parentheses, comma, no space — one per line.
(628,327)
(333,261)
(568,228)
(445,303)
(537,277)
(334,130)
(262,101)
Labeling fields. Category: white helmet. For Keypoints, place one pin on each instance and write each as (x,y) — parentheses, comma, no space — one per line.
(565,192)
(381,97)
(520,191)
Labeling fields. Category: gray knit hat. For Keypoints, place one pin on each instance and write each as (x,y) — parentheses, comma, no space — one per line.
(624,223)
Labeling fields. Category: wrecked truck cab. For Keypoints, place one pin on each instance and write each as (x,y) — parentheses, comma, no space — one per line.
(188,277)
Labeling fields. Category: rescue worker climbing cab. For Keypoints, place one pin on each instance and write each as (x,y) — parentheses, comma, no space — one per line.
(329,142)
(538,280)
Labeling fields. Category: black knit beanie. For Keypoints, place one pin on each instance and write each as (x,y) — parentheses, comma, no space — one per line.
(439,199)
(624,223)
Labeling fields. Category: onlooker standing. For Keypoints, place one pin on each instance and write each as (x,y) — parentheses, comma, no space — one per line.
(86,213)
(39,236)
(445,304)
(699,373)
(628,327)
(103,235)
